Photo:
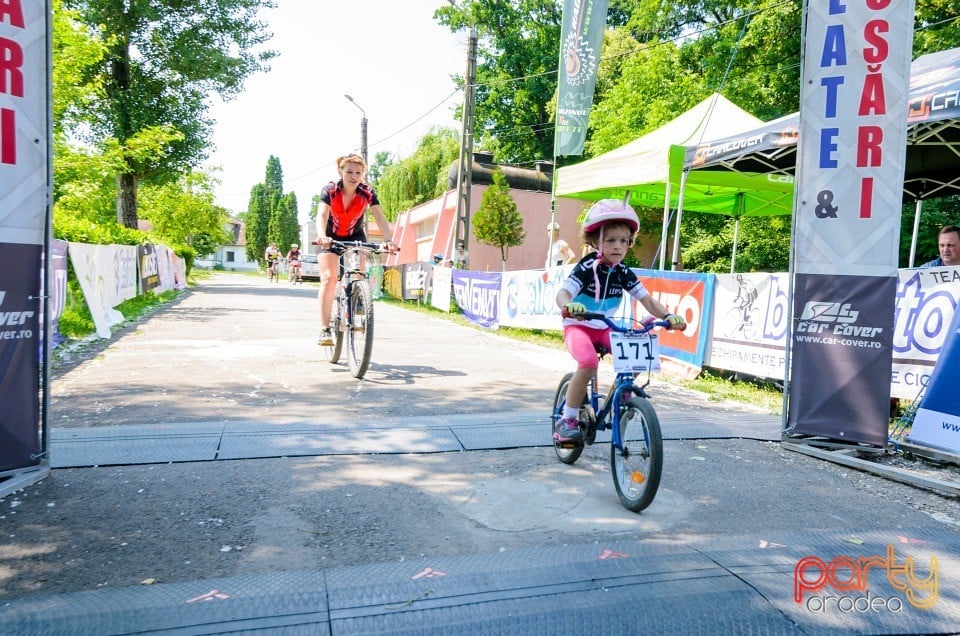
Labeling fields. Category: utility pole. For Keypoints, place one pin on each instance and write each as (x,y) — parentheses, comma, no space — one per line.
(363,148)
(465,168)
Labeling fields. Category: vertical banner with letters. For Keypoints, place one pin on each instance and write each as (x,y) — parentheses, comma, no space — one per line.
(24,190)
(850,165)
(581,39)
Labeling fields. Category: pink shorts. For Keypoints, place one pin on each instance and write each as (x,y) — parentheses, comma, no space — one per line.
(582,343)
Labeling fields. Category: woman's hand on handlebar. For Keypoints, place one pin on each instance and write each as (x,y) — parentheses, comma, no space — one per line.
(323,241)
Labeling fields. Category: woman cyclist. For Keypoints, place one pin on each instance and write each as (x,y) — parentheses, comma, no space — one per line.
(340,214)
(597,284)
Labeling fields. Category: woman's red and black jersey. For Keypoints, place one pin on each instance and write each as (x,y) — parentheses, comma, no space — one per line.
(345,222)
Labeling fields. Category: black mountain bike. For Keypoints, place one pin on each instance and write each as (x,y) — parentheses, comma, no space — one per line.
(352,317)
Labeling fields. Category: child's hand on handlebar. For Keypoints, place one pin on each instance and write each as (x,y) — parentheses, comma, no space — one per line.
(574,310)
(676,322)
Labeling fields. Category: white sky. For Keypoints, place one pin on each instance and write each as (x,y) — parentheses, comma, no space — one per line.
(389,55)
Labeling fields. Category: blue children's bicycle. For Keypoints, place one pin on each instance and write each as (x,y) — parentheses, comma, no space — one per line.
(636,447)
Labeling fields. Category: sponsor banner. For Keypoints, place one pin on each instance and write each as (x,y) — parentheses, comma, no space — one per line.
(416,279)
(749,324)
(842,338)
(19,363)
(393,281)
(852,144)
(478,296)
(927,300)
(581,39)
(530,298)
(23,123)
(686,294)
(442,284)
(149,269)
(58,289)
(937,422)
(95,268)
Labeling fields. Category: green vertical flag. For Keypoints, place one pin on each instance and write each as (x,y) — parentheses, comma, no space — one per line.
(581,38)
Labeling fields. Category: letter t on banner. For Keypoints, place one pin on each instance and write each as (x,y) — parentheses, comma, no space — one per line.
(850,165)
(581,39)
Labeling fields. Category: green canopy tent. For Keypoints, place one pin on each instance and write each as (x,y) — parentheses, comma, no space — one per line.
(641,173)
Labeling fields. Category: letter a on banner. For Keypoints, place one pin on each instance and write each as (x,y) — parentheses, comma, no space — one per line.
(581,39)
(850,164)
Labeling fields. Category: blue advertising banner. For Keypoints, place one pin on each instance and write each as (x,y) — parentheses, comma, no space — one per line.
(937,423)
(581,39)
(19,360)
(478,296)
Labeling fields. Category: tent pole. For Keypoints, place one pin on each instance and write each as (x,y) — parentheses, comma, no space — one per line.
(736,233)
(676,233)
(916,231)
(666,227)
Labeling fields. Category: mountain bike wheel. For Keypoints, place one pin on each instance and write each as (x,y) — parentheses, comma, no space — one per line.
(360,331)
(637,466)
(567,452)
(332,351)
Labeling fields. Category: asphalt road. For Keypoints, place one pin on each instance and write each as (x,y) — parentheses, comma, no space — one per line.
(237,348)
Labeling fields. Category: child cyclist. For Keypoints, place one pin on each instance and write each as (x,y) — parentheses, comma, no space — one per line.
(597,284)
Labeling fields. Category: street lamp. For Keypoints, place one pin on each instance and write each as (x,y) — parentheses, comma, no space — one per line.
(363,129)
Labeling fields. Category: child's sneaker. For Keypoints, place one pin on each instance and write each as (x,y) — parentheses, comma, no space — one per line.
(567,430)
(326,338)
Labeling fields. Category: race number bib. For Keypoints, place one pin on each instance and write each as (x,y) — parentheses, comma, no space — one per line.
(634,352)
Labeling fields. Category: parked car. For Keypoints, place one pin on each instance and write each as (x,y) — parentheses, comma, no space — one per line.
(309,268)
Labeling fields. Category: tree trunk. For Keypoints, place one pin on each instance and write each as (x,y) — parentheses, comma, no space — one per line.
(127,200)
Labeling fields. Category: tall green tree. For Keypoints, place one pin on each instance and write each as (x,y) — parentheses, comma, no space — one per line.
(284,222)
(264,200)
(497,221)
(162,59)
(181,210)
(517,55)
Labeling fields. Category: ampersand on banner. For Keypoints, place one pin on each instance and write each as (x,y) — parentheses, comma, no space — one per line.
(825,208)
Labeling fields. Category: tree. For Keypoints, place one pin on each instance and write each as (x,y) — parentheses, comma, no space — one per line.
(264,199)
(284,222)
(517,56)
(497,221)
(184,209)
(161,61)
(420,177)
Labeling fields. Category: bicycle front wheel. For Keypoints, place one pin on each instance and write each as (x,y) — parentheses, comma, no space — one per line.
(360,329)
(638,463)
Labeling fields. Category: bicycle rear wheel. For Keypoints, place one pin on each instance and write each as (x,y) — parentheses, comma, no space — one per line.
(360,330)
(638,464)
(567,452)
(332,351)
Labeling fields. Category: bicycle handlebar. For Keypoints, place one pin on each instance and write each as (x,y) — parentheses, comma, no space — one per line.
(644,326)
(379,248)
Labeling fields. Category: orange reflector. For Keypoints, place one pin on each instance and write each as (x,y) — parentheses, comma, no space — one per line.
(637,477)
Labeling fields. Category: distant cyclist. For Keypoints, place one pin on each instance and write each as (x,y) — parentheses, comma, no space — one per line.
(293,262)
(272,258)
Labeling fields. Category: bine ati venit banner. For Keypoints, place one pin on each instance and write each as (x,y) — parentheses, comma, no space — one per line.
(581,39)
(850,168)
(23,201)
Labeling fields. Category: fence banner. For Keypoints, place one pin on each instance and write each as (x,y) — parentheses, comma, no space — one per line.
(530,298)
(689,295)
(850,166)
(927,300)
(478,296)
(440,288)
(58,289)
(107,276)
(149,269)
(937,422)
(749,324)
(581,39)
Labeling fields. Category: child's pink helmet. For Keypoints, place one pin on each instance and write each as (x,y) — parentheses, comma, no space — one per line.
(607,210)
